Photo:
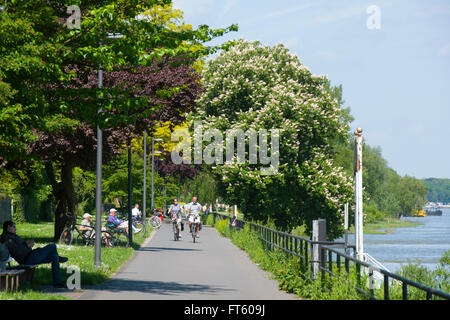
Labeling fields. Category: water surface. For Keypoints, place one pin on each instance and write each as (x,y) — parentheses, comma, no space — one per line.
(424,244)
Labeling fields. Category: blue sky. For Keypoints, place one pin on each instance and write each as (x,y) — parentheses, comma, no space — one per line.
(396,79)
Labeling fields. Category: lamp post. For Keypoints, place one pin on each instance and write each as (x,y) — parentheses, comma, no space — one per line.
(130,198)
(98,191)
(153,171)
(144,193)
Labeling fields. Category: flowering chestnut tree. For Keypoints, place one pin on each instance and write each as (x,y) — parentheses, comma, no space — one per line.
(253,87)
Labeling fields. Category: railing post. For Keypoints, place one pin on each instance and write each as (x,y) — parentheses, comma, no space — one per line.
(347,266)
(338,262)
(371,281)
(386,287)
(319,234)
(322,266)
(358,273)
(306,257)
(405,290)
(330,261)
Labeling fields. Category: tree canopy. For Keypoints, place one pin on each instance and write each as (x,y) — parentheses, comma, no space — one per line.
(251,86)
(49,91)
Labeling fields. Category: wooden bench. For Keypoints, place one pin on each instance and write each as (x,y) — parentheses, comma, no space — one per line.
(15,277)
(11,280)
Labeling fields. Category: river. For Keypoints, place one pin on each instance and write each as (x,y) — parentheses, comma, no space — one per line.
(424,244)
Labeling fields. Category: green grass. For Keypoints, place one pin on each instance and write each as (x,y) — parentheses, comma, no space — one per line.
(288,271)
(386,225)
(81,256)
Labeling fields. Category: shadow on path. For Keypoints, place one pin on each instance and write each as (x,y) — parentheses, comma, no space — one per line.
(165,249)
(158,287)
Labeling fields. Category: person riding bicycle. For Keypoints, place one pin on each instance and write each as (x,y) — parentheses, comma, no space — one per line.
(175,214)
(193,213)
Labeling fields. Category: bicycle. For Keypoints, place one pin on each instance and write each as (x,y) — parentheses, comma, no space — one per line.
(176,230)
(196,224)
(66,236)
(155,220)
(88,238)
(138,223)
(118,236)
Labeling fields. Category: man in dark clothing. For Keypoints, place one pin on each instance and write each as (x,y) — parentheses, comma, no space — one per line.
(23,253)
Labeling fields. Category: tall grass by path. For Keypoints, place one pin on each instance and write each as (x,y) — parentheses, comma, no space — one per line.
(292,278)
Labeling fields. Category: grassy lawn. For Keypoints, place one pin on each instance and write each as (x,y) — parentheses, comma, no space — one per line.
(386,225)
(81,256)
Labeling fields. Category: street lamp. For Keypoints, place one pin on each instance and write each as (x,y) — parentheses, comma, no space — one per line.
(153,171)
(98,190)
(144,195)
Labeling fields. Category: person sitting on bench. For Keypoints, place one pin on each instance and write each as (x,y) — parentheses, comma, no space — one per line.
(23,253)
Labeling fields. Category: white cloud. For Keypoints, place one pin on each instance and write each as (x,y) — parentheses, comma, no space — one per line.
(444,51)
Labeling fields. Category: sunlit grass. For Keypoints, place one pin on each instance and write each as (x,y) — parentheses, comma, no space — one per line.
(79,255)
(386,225)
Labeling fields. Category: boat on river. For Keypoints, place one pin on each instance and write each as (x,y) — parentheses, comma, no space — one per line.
(419,213)
(434,212)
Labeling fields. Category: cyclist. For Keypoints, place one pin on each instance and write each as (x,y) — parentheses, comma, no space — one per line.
(193,212)
(175,213)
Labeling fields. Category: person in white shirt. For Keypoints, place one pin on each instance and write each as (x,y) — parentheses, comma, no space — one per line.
(136,215)
(193,213)
(186,207)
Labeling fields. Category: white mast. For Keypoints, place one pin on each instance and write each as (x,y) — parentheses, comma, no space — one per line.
(358,196)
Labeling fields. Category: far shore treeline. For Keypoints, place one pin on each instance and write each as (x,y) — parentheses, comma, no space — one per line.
(438,190)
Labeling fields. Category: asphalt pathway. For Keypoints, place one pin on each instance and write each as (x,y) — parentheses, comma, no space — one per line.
(210,269)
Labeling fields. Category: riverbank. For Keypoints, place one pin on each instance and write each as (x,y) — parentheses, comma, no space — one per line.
(385,226)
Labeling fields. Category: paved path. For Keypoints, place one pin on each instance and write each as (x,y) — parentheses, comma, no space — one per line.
(210,269)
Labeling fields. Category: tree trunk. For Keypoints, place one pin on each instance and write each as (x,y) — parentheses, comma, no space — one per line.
(64,195)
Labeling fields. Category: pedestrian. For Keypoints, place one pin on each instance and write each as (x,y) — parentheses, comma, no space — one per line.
(22,251)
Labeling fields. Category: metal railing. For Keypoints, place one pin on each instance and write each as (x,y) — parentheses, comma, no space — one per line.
(326,267)
(290,244)
(331,257)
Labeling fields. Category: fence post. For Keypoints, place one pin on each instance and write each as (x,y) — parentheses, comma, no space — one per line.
(319,234)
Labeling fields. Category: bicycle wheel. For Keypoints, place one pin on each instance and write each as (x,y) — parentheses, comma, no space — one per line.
(194,231)
(81,240)
(122,239)
(155,222)
(66,236)
(176,232)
